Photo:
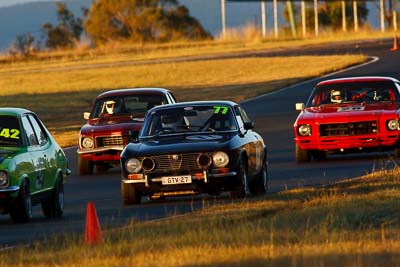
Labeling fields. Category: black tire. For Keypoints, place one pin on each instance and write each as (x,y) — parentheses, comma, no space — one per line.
(130,195)
(302,155)
(21,210)
(85,167)
(242,190)
(263,179)
(319,155)
(53,206)
(397,152)
(102,168)
(260,185)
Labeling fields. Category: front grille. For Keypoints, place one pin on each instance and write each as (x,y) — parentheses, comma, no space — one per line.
(348,129)
(173,162)
(114,140)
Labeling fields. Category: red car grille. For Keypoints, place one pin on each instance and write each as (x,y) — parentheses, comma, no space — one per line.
(174,162)
(348,129)
(114,140)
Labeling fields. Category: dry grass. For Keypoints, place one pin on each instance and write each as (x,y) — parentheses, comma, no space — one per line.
(61,95)
(353,223)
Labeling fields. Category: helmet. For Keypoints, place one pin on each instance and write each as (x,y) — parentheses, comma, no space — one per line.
(336,96)
(110,105)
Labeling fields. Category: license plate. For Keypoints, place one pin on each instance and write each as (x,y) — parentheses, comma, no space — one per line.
(183,179)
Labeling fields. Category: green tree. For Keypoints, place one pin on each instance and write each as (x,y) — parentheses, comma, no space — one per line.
(68,31)
(141,21)
(23,46)
(330,14)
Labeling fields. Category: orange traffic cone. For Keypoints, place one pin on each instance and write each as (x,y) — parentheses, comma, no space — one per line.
(93,233)
(395,44)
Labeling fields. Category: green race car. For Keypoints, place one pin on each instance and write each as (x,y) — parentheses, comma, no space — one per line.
(33,166)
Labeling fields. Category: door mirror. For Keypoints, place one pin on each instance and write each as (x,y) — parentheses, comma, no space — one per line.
(300,106)
(248,125)
(86,115)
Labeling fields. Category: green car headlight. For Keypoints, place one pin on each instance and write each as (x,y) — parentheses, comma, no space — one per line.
(133,165)
(220,159)
(87,142)
(3,178)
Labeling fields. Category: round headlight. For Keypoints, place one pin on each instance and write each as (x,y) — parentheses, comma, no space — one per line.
(204,160)
(304,130)
(3,178)
(393,125)
(220,159)
(148,164)
(87,142)
(133,165)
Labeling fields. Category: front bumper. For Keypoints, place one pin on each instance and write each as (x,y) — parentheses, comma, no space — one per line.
(205,178)
(371,142)
(103,154)
(10,189)
(100,150)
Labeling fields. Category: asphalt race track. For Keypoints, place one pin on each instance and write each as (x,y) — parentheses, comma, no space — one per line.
(273,114)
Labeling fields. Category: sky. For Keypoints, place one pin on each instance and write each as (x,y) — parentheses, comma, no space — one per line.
(4,3)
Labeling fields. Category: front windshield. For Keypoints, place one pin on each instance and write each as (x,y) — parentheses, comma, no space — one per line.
(10,131)
(355,92)
(134,105)
(196,118)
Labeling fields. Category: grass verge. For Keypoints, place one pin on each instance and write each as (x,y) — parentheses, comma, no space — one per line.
(351,223)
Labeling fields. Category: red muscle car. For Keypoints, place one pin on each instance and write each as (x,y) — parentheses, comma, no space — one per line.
(349,115)
(115,120)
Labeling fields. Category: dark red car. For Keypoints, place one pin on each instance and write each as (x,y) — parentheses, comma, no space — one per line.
(349,115)
(114,121)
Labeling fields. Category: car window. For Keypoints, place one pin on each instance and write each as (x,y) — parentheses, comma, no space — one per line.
(10,131)
(185,119)
(135,105)
(357,92)
(241,116)
(30,133)
(171,98)
(41,135)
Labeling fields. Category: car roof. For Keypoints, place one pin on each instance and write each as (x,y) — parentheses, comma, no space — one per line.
(358,79)
(133,91)
(196,103)
(12,111)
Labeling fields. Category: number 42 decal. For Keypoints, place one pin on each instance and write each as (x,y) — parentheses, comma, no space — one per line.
(9,133)
(220,109)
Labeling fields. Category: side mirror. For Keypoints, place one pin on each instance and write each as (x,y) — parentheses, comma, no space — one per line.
(300,106)
(86,115)
(248,125)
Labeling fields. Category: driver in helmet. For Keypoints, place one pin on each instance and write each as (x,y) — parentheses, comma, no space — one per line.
(172,121)
(336,96)
(110,106)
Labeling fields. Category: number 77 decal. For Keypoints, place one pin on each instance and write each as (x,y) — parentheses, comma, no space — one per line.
(220,109)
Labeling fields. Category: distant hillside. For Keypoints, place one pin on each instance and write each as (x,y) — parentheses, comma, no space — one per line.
(30,17)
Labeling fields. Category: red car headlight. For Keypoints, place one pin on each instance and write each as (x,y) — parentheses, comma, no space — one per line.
(392,125)
(304,130)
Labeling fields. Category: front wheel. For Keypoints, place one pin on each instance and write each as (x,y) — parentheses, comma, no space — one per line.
(397,152)
(85,166)
(53,207)
(130,194)
(21,210)
(302,155)
(241,190)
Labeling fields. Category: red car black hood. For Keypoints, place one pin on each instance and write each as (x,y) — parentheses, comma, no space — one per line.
(349,111)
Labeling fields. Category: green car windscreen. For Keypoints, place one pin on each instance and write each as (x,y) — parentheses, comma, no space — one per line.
(10,131)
